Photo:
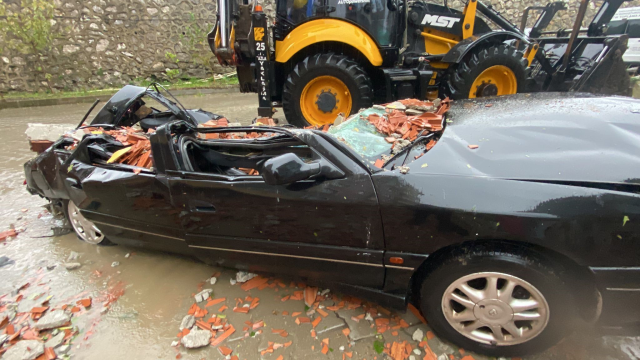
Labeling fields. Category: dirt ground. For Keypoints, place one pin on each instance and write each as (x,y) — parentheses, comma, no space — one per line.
(149,293)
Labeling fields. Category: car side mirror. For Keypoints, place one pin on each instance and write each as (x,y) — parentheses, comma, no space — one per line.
(287,169)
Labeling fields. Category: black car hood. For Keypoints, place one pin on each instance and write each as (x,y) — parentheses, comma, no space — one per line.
(541,137)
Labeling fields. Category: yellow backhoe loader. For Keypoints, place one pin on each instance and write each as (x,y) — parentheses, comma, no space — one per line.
(335,57)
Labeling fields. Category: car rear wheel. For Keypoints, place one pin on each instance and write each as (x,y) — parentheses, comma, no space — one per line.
(497,303)
(85,229)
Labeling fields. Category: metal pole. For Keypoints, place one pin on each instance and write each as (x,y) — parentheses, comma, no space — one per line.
(574,33)
(222,13)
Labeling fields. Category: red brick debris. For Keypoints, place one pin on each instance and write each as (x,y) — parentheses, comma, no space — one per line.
(24,325)
(138,146)
(410,126)
(319,304)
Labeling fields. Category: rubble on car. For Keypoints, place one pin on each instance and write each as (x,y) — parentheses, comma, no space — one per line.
(377,133)
(383,131)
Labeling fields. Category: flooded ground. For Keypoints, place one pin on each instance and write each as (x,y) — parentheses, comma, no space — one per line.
(152,292)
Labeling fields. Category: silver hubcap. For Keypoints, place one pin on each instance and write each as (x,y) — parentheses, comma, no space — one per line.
(83,227)
(495,308)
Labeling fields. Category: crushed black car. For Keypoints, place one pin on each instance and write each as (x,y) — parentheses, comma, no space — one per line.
(508,223)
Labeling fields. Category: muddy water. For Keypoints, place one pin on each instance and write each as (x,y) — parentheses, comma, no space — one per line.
(158,288)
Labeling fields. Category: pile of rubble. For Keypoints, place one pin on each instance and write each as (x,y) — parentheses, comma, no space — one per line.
(46,331)
(410,118)
(206,323)
(223,122)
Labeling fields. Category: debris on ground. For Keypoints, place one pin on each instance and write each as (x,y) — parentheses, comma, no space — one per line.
(417,335)
(243,276)
(196,338)
(72,266)
(73,256)
(8,234)
(187,322)
(24,350)
(203,295)
(53,319)
(4,261)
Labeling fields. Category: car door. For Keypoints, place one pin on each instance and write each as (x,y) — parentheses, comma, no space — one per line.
(128,208)
(318,228)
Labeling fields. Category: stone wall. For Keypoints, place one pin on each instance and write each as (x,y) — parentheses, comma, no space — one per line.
(107,43)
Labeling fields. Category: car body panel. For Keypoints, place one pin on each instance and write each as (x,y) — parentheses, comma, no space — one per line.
(540,137)
(557,173)
(310,225)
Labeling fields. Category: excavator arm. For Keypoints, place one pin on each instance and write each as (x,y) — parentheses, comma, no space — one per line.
(240,38)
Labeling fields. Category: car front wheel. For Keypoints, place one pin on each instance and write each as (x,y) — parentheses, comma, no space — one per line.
(497,303)
(85,229)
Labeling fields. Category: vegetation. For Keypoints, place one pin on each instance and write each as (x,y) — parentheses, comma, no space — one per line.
(192,83)
(172,74)
(194,39)
(28,31)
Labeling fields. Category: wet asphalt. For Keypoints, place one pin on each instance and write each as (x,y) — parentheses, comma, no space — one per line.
(153,291)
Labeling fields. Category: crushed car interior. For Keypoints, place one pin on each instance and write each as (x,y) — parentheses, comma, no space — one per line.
(383,205)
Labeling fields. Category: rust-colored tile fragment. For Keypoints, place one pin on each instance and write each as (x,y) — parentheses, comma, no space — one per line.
(316,321)
(254,283)
(225,351)
(310,295)
(297,295)
(39,310)
(50,354)
(84,302)
(417,313)
(244,310)
(215,302)
(472,147)
(218,340)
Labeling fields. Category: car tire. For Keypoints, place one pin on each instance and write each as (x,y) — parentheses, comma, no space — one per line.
(86,230)
(321,77)
(453,313)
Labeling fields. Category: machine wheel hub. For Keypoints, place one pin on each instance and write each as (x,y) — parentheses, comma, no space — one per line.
(494,80)
(486,89)
(327,101)
(323,98)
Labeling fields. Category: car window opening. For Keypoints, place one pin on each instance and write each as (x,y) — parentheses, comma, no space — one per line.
(229,158)
(147,115)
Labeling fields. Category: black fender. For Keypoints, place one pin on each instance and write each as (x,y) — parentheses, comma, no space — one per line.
(461,49)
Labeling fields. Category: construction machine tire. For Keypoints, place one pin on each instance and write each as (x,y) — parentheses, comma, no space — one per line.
(322,86)
(496,70)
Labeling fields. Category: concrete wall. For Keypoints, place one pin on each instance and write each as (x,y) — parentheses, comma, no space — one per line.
(106,43)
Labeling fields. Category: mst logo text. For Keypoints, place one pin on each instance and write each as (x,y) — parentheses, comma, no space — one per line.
(439,21)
